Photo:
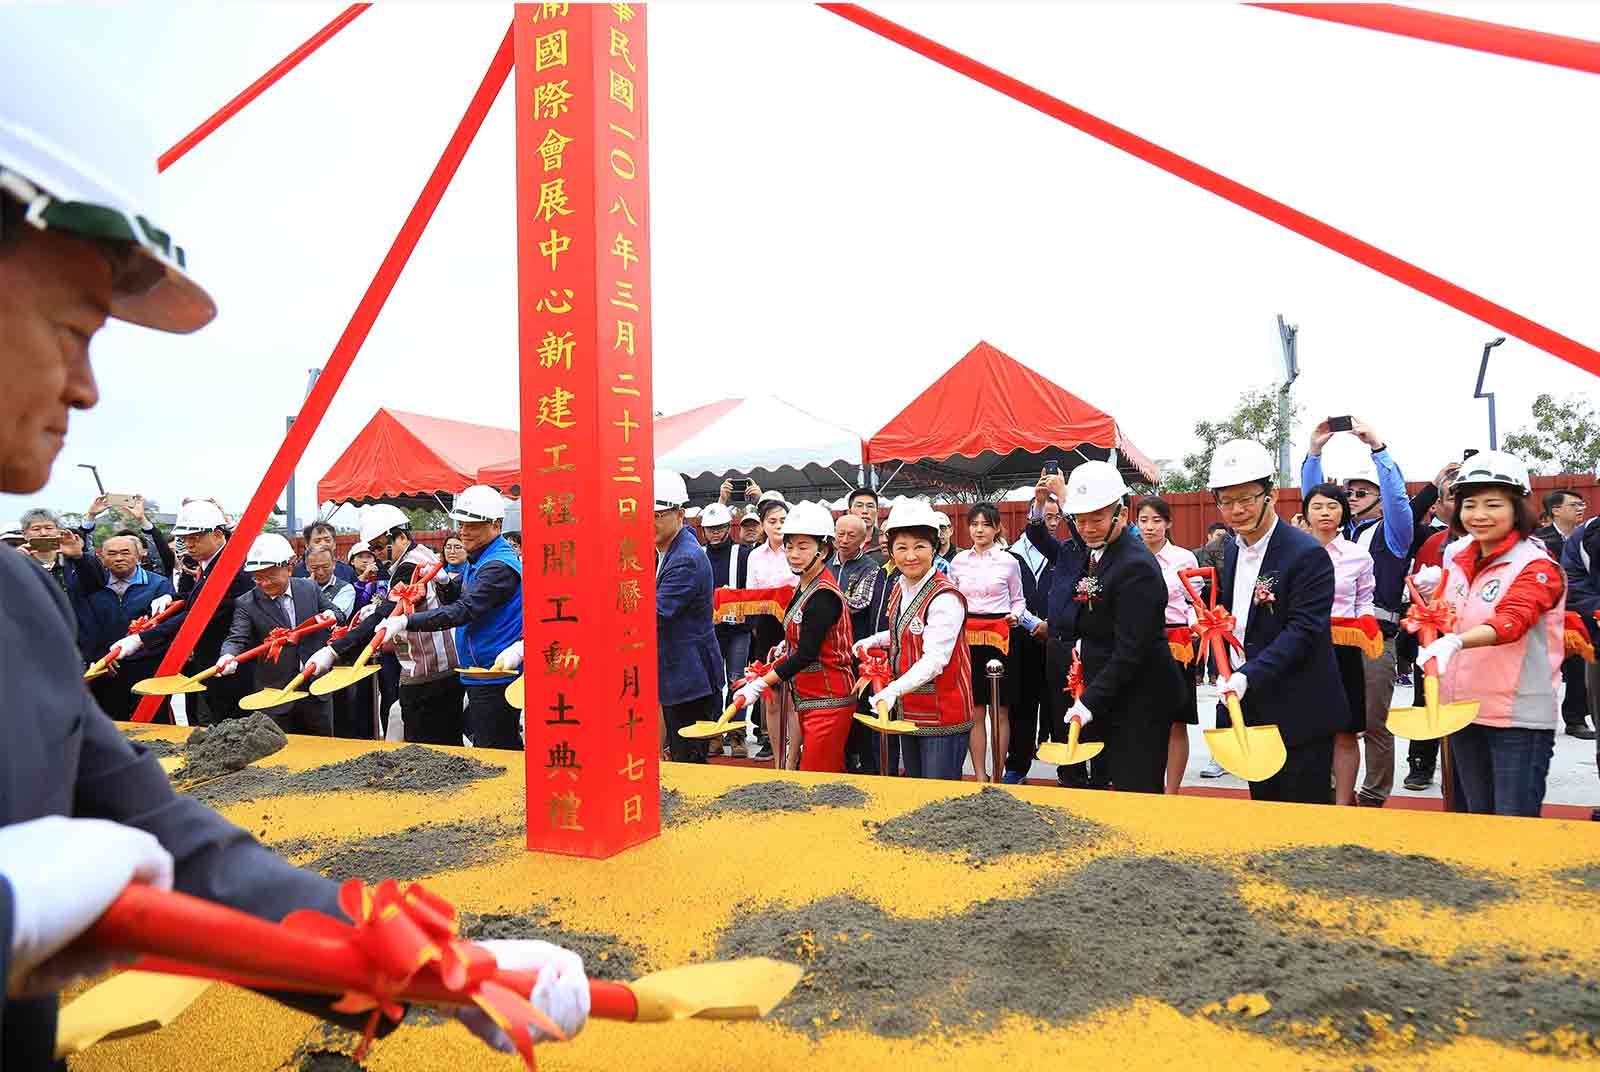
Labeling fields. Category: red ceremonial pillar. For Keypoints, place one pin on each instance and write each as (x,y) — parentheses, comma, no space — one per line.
(583,279)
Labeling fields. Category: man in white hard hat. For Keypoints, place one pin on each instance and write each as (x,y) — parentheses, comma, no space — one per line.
(431,692)
(83,811)
(1278,583)
(204,529)
(689,664)
(279,601)
(486,617)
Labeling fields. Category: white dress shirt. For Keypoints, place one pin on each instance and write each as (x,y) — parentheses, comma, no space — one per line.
(945,619)
(1246,570)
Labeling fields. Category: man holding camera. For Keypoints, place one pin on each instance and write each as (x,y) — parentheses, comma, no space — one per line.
(59,552)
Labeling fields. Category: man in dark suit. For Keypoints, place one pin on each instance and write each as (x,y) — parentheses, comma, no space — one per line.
(279,601)
(689,663)
(1068,559)
(1278,582)
(204,529)
(1131,681)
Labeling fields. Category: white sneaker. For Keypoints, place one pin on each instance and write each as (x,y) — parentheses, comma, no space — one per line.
(1212,770)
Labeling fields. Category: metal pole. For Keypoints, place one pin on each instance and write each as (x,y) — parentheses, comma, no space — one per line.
(997,761)
(1289,336)
(1478,391)
(291,521)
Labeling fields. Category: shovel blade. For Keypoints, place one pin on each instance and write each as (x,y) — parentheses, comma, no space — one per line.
(1419,724)
(95,675)
(1259,757)
(341,677)
(516,693)
(726,990)
(260,701)
(131,1003)
(481,671)
(1063,755)
(887,725)
(702,729)
(171,685)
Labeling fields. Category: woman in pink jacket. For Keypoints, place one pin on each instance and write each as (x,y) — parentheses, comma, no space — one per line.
(1505,649)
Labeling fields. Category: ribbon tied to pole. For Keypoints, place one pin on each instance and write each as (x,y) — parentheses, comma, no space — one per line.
(875,672)
(1216,622)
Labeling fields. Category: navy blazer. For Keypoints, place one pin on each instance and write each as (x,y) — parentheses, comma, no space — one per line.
(1068,559)
(1580,560)
(63,756)
(688,661)
(1293,680)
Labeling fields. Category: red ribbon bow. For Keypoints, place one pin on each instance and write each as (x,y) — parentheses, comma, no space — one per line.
(875,670)
(1438,613)
(275,642)
(411,931)
(1216,622)
(1075,677)
(753,671)
(407,596)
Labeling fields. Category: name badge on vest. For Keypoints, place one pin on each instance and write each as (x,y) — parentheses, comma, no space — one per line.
(797,616)
(730,619)
(1491,590)
(915,628)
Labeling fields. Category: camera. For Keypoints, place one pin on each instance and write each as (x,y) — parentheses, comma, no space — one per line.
(1340,424)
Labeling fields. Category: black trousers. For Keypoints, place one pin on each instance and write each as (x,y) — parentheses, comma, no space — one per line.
(677,716)
(1135,756)
(1306,777)
(1027,727)
(352,712)
(1575,704)
(491,721)
(312,716)
(220,701)
(431,711)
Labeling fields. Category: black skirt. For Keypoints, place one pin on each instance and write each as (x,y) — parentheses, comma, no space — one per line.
(1189,713)
(1010,685)
(1353,674)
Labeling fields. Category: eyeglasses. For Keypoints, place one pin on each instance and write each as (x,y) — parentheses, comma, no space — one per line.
(1243,500)
(1361,493)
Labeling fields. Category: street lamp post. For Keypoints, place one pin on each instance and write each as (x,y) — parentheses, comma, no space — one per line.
(1478,392)
(289,492)
(1289,335)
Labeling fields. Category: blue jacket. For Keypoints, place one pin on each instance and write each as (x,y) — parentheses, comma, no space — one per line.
(688,661)
(1293,680)
(1580,560)
(109,613)
(1068,559)
(480,640)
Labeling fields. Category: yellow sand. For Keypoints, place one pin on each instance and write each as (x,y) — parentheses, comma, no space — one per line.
(672,896)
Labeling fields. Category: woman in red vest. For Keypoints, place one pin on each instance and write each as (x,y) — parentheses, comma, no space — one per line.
(927,649)
(816,643)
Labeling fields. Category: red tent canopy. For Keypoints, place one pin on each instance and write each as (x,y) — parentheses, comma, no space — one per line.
(407,455)
(991,417)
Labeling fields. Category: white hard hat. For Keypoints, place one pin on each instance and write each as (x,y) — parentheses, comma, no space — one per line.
(670,491)
(1494,467)
(1240,461)
(944,519)
(771,497)
(478,503)
(749,516)
(911,514)
(268,550)
(1362,469)
(75,151)
(198,515)
(358,548)
(1093,486)
(380,518)
(715,516)
(808,519)
(13,537)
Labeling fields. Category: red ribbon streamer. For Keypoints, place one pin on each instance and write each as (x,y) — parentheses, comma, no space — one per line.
(1341,242)
(875,671)
(1216,622)
(755,670)
(1439,614)
(1075,677)
(338,364)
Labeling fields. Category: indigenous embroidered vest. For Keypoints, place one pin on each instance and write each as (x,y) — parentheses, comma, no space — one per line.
(826,683)
(943,705)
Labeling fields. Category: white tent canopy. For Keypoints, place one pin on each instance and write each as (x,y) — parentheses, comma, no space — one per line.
(777,444)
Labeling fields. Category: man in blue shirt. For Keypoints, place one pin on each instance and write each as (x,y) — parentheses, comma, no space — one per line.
(1384,523)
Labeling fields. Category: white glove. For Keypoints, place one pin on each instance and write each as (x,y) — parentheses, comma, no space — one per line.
(227,666)
(886,698)
(1444,649)
(390,629)
(159,604)
(322,659)
(1081,713)
(1236,684)
(64,873)
(125,648)
(860,648)
(750,693)
(562,992)
(1427,580)
(510,659)
(780,651)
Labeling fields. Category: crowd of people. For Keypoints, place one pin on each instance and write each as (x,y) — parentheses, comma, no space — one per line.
(804,603)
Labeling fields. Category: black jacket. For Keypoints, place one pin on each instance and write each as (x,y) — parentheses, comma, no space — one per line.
(1128,670)
(209,646)
(62,756)
(1293,680)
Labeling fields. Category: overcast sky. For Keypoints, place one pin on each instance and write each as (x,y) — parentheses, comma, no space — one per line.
(837,220)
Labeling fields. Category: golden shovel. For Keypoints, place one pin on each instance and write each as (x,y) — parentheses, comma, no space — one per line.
(1065,755)
(702,729)
(130,1003)
(98,669)
(173,684)
(1434,720)
(340,677)
(883,722)
(515,693)
(1254,753)
(265,698)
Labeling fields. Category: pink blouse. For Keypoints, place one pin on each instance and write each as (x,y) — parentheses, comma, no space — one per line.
(769,569)
(990,580)
(1353,579)
(1173,558)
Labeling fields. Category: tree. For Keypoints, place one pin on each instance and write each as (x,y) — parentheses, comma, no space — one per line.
(1254,417)
(427,520)
(1564,438)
